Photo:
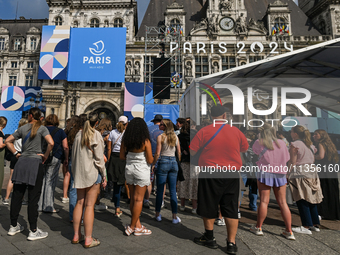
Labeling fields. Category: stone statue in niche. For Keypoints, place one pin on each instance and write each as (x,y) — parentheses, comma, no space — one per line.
(128,68)
(226,4)
(241,25)
(137,68)
(188,69)
(23,46)
(215,67)
(212,25)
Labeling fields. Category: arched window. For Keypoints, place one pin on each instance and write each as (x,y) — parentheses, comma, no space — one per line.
(118,23)
(75,24)
(280,27)
(106,23)
(58,21)
(94,23)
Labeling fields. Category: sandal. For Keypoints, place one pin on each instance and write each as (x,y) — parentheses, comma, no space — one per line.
(142,231)
(95,242)
(118,214)
(81,239)
(128,230)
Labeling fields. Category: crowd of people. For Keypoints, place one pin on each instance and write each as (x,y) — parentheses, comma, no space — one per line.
(96,158)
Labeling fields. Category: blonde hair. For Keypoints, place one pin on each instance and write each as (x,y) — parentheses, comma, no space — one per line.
(88,130)
(169,133)
(268,136)
(22,122)
(303,134)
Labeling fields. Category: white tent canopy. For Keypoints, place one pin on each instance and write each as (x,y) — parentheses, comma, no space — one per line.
(315,68)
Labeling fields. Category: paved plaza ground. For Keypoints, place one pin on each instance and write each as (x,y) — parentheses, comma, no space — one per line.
(166,238)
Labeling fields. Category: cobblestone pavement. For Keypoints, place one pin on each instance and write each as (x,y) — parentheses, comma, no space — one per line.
(166,238)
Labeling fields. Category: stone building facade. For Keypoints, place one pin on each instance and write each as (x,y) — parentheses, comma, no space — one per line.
(213,35)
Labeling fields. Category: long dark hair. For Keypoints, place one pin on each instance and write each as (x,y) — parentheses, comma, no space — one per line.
(135,135)
(36,114)
(331,152)
(72,129)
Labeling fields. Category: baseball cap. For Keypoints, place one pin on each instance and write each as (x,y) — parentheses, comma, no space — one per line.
(218,110)
(158,117)
(123,119)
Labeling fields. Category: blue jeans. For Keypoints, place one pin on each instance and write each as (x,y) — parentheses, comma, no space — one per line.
(116,194)
(46,201)
(252,197)
(72,193)
(167,170)
(308,213)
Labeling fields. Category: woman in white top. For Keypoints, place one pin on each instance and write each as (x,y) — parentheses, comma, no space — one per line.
(116,167)
(88,170)
(167,169)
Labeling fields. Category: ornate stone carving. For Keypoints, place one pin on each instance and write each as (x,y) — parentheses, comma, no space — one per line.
(188,69)
(128,68)
(215,67)
(137,68)
(212,25)
(241,25)
(257,25)
(226,5)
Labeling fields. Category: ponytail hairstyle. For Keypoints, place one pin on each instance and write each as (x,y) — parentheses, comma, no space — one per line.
(36,114)
(303,134)
(88,130)
(169,133)
(268,136)
(104,125)
(121,126)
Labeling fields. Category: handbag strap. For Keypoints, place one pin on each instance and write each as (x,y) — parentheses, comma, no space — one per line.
(26,137)
(117,139)
(213,136)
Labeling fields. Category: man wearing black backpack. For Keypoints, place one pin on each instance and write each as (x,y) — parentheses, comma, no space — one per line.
(52,164)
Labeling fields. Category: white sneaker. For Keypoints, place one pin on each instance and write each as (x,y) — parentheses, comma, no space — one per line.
(37,235)
(256,231)
(220,222)
(314,228)
(176,221)
(159,217)
(288,235)
(182,208)
(239,215)
(302,230)
(320,218)
(15,230)
(100,207)
(65,200)
(194,211)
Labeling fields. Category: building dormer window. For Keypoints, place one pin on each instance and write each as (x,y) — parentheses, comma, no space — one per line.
(106,23)
(58,21)
(175,22)
(33,43)
(280,27)
(94,23)
(118,23)
(75,24)
(17,43)
(2,43)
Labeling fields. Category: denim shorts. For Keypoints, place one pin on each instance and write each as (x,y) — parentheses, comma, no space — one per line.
(99,179)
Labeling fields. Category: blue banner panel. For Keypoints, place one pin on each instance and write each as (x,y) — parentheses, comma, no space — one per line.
(54,53)
(13,118)
(168,111)
(134,98)
(97,55)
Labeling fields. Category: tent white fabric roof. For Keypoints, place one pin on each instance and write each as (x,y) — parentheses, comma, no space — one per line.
(317,66)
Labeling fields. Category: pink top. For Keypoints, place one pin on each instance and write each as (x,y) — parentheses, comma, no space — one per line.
(305,154)
(273,161)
